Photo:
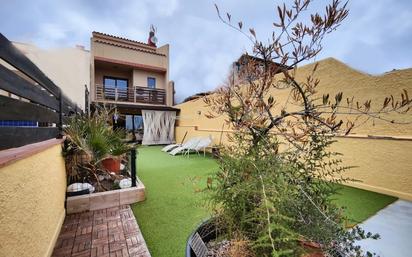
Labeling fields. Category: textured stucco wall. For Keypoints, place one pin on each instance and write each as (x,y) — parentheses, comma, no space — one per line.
(32,195)
(383,165)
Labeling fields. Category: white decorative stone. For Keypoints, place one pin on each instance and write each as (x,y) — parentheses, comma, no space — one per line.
(125,183)
(101,177)
(90,187)
(76,187)
(122,166)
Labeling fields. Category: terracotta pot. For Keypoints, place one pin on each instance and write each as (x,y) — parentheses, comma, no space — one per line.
(313,249)
(112,164)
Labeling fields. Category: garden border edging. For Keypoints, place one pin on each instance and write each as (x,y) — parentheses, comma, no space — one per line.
(103,200)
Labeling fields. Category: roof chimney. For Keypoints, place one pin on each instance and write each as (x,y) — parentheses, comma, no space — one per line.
(152,40)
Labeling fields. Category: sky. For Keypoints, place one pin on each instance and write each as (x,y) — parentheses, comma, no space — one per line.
(375,38)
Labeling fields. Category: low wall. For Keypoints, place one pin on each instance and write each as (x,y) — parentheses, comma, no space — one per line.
(382,164)
(32,194)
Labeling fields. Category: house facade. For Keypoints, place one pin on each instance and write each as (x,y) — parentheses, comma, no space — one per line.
(133,78)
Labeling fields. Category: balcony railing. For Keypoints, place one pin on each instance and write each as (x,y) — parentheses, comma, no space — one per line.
(131,94)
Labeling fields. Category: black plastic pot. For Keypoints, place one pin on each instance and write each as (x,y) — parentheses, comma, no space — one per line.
(81,192)
(206,230)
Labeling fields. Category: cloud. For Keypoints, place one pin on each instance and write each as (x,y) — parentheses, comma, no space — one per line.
(375,38)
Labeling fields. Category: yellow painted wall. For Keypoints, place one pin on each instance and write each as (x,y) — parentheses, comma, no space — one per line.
(32,195)
(384,165)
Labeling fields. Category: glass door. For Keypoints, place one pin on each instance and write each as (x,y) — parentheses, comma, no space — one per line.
(115,85)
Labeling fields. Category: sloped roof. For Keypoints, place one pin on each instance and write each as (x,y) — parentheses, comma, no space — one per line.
(96,33)
(108,39)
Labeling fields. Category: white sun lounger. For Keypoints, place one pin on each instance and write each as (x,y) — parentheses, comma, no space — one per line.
(205,142)
(187,143)
(193,146)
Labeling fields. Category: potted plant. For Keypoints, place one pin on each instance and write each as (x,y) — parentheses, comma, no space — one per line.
(117,149)
(99,147)
(272,194)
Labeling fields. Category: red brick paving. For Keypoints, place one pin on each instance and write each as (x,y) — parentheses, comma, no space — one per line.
(109,232)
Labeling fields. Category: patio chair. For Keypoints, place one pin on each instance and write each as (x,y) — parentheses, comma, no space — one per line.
(204,142)
(186,144)
(190,144)
(196,146)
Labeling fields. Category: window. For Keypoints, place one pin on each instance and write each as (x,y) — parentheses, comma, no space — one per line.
(151,82)
(110,84)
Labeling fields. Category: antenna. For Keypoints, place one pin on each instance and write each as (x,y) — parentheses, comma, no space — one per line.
(152,28)
(152,37)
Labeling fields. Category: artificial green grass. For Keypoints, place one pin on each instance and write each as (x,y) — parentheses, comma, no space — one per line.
(361,204)
(173,208)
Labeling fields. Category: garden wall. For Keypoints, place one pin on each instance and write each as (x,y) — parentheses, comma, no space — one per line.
(32,195)
(381,150)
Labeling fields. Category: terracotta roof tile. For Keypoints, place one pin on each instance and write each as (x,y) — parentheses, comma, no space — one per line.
(121,38)
(128,47)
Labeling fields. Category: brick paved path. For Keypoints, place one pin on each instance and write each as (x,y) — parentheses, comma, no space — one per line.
(109,232)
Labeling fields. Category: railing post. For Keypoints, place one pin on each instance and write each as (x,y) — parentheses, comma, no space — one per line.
(133,166)
(134,93)
(86,100)
(115,93)
(60,125)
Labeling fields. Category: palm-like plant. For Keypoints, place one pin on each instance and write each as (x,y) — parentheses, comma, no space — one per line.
(94,140)
(94,137)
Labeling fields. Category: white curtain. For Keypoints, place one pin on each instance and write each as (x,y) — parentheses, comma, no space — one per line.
(159,127)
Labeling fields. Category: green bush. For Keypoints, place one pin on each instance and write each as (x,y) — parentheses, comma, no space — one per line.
(94,137)
(281,201)
(89,141)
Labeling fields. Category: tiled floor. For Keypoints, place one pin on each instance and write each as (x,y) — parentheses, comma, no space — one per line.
(109,232)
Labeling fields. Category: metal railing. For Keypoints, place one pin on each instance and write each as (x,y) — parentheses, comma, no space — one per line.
(131,94)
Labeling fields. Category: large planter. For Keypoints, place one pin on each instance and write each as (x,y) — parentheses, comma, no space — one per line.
(207,232)
(112,164)
(103,200)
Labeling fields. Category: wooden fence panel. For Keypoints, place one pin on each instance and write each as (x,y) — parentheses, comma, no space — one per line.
(14,84)
(13,109)
(41,113)
(18,136)
(14,57)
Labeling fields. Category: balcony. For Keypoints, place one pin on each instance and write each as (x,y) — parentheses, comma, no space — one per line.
(132,94)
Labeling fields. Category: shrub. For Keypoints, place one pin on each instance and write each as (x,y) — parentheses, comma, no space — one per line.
(276,178)
(89,141)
